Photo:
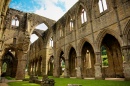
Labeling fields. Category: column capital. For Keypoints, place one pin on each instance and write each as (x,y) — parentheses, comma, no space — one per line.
(125,47)
(97,53)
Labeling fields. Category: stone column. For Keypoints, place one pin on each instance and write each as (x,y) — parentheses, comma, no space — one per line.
(35,68)
(29,68)
(32,66)
(0,66)
(66,71)
(39,68)
(126,63)
(79,67)
(0,62)
(98,68)
(43,66)
(56,67)
(20,74)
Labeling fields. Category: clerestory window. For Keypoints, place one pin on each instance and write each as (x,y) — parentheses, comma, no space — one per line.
(83,16)
(15,21)
(61,32)
(51,42)
(71,25)
(102,5)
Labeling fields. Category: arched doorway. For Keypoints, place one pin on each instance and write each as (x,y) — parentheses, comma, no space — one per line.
(62,63)
(112,57)
(9,64)
(88,60)
(50,66)
(72,62)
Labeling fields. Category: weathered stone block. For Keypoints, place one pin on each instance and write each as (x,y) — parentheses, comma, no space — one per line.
(32,79)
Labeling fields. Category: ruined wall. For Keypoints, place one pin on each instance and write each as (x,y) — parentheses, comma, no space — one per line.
(40,50)
(112,21)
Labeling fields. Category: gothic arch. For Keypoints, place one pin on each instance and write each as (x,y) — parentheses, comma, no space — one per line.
(81,5)
(127,28)
(34,20)
(68,50)
(11,62)
(81,44)
(126,34)
(59,52)
(101,36)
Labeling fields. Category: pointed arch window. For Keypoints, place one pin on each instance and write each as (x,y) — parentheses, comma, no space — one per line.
(61,32)
(102,5)
(51,42)
(71,24)
(83,16)
(15,21)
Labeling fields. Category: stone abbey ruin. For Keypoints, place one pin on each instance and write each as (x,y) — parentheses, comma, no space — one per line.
(91,40)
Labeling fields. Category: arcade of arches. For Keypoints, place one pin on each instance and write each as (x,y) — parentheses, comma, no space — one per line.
(89,41)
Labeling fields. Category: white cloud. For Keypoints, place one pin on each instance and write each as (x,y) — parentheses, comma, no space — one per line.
(50,10)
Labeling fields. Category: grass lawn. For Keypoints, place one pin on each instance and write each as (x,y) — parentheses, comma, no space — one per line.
(66,81)
(23,83)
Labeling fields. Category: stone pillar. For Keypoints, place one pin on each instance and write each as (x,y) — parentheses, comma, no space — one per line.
(126,63)
(20,74)
(56,67)
(98,68)
(39,68)
(79,67)
(29,68)
(35,68)
(66,71)
(32,66)
(0,66)
(0,62)
(43,66)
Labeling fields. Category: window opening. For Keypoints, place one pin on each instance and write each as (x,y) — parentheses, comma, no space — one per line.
(71,25)
(83,16)
(61,32)
(15,21)
(102,5)
(51,42)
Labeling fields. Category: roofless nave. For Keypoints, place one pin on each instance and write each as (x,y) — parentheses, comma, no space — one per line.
(91,40)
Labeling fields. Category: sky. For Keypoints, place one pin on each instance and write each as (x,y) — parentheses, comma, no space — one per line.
(44,7)
(53,9)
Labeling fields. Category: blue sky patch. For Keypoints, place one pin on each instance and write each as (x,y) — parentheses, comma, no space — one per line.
(61,5)
(24,5)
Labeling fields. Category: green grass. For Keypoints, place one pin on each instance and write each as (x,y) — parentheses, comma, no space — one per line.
(23,83)
(66,81)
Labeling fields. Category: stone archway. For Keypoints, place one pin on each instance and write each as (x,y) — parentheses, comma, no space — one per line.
(72,62)
(62,63)
(11,63)
(114,55)
(88,60)
(50,66)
